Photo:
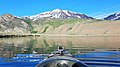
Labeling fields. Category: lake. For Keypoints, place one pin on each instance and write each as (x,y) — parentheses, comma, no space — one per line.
(100,48)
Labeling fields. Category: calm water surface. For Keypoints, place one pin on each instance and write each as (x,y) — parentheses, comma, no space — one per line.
(28,45)
(86,46)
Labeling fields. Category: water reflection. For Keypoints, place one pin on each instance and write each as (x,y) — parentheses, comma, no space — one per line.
(6,50)
(28,45)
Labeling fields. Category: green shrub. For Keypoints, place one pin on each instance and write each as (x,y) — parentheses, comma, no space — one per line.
(45,29)
(29,22)
(34,31)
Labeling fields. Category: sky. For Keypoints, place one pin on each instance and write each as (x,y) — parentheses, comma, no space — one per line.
(94,8)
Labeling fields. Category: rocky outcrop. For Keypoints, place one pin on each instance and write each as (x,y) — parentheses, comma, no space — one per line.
(6,17)
(12,25)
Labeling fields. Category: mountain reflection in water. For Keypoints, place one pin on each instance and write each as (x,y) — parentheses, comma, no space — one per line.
(29,51)
(44,45)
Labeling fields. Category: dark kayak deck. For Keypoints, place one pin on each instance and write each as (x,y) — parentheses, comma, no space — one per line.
(93,59)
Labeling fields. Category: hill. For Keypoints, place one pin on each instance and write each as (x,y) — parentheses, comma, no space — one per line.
(12,25)
(76,26)
(59,22)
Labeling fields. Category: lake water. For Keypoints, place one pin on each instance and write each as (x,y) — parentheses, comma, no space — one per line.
(101,49)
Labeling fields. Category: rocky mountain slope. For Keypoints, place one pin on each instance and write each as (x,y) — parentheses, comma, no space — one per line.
(78,27)
(58,13)
(60,22)
(12,25)
(115,16)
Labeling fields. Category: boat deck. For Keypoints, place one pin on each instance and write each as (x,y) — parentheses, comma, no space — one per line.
(93,59)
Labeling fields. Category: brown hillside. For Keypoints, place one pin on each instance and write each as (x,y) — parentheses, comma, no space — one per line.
(94,28)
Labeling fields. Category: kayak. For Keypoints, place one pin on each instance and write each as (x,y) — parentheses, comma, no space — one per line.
(61,58)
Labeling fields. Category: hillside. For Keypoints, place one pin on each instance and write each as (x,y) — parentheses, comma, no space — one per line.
(12,25)
(69,26)
(59,22)
(76,26)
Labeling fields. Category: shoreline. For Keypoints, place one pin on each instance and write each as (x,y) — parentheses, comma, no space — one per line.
(80,35)
(65,35)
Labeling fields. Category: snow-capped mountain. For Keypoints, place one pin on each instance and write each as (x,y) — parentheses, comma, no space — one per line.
(115,16)
(58,13)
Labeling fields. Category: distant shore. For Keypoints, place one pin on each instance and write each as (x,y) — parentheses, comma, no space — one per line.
(35,35)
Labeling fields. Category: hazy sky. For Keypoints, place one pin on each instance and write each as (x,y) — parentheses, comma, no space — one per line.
(94,8)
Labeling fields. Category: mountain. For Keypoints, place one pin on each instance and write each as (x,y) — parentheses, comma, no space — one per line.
(115,16)
(77,27)
(58,13)
(12,24)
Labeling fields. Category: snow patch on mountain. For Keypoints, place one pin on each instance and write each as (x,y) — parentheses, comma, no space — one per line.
(58,13)
(115,16)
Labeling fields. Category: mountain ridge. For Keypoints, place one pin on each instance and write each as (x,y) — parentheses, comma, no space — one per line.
(11,24)
(114,16)
(61,22)
(58,13)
